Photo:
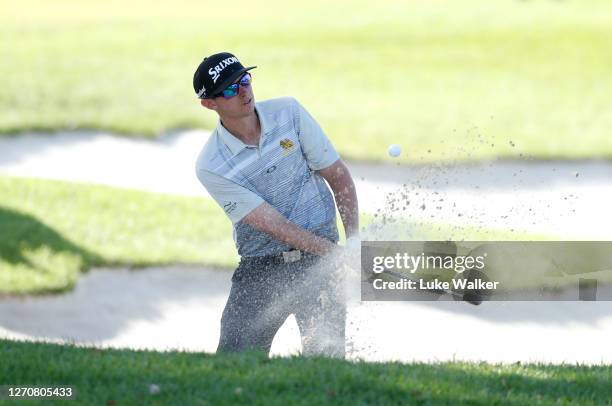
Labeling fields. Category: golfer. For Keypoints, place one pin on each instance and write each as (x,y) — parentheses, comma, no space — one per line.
(270,167)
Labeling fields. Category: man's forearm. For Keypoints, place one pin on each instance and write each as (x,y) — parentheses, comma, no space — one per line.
(267,219)
(345,193)
(346,199)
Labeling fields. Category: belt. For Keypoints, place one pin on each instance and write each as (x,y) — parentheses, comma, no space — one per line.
(291,256)
(286,256)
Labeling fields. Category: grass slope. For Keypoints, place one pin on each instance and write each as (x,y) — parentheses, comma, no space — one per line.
(51,231)
(446,80)
(123,376)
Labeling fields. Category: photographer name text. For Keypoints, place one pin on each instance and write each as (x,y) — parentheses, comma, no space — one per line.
(434,284)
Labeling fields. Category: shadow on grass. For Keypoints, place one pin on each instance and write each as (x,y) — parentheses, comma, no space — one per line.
(21,233)
(30,249)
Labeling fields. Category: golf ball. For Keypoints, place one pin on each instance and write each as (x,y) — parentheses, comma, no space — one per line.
(394,151)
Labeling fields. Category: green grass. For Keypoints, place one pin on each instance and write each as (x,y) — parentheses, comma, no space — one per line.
(100,376)
(453,80)
(51,231)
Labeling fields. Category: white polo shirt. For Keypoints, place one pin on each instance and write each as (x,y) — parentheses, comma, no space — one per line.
(279,171)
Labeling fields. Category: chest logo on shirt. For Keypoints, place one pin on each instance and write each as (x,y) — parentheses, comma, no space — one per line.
(287,144)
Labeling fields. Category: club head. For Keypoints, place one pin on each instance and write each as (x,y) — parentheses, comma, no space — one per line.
(473,296)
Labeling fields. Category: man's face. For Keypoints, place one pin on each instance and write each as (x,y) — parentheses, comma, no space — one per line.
(238,106)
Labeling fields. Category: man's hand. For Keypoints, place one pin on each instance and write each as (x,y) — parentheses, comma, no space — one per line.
(352,253)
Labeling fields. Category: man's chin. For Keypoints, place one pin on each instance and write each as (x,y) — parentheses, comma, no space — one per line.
(250,108)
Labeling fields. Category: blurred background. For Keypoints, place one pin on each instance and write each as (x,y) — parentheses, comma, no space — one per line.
(430,75)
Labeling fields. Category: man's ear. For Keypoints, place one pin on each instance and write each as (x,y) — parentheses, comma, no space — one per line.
(209,104)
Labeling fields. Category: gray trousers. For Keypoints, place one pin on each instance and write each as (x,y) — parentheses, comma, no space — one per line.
(265,291)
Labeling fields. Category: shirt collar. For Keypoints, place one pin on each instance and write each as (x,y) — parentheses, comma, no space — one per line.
(234,144)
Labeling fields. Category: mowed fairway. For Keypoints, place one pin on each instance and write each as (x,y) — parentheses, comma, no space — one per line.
(446,80)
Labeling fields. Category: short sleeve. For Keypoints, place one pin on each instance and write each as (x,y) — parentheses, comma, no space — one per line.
(318,149)
(235,200)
